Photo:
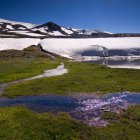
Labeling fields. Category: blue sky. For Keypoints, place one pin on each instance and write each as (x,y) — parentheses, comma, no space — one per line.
(110,15)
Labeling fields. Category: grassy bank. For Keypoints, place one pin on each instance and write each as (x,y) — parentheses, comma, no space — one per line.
(82,77)
(18,123)
(12,69)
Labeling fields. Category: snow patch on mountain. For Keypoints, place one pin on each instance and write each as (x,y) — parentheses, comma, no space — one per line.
(42,29)
(27,33)
(90,32)
(68,31)
(28,25)
(9,27)
(55,33)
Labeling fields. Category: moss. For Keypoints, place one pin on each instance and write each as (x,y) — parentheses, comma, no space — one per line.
(109,116)
(21,124)
(127,124)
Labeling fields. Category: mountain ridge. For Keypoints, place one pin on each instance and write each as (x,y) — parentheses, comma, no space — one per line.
(50,29)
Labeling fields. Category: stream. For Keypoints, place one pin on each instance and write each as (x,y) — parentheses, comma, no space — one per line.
(60,70)
(85,108)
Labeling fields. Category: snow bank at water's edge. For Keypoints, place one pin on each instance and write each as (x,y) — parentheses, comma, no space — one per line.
(70,47)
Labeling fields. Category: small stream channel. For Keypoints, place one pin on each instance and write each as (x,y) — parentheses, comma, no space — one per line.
(85,108)
(60,70)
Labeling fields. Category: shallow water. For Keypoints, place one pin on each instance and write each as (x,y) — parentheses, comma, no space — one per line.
(42,103)
(83,108)
(121,63)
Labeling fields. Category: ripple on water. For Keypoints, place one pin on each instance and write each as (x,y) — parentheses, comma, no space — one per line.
(87,109)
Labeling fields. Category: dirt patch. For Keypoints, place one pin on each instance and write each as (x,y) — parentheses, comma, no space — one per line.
(13,53)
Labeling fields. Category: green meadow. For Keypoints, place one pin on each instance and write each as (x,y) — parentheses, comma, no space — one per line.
(12,69)
(81,78)
(18,123)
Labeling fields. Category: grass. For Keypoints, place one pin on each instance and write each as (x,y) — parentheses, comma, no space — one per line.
(19,68)
(17,123)
(127,126)
(82,77)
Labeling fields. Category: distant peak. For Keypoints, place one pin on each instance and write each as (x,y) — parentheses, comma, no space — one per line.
(51,26)
(50,23)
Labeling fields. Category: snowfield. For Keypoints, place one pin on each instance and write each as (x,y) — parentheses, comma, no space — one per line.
(125,66)
(70,47)
(18,44)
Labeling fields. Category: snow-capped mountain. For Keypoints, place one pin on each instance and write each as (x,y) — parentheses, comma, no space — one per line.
(13,25)
(50,29)
(20,29)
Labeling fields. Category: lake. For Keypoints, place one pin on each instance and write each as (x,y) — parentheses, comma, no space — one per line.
(118,62)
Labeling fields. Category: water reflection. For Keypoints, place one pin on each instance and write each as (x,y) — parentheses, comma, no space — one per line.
(118,63)
(84,108)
